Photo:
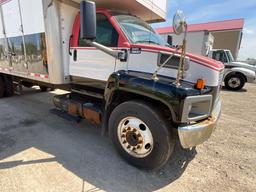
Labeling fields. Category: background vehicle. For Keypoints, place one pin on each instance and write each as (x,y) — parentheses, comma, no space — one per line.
(236,73)
(121,76)
(201,42)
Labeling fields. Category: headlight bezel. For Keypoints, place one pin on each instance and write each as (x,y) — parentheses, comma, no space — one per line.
(196,108)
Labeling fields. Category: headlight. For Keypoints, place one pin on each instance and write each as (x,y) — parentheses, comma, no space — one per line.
(196,108)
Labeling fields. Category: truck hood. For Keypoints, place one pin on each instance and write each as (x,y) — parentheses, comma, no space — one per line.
(200,59)
(243,65)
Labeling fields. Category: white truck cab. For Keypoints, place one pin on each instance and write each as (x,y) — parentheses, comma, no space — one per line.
(236,73)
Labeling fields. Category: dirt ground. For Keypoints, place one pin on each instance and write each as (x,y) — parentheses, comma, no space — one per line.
(42,152)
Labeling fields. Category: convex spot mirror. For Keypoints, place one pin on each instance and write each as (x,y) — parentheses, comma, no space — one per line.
(88,20)
(179,22)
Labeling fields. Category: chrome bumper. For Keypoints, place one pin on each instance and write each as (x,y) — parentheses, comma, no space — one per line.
(251,79)
(195,134)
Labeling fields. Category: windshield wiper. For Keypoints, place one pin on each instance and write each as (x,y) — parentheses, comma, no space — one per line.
(148,41)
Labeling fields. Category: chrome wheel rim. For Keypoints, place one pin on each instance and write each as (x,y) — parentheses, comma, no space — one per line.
(234,82)
(135,137)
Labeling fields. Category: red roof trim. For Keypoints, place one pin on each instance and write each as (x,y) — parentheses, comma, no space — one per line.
(233,24)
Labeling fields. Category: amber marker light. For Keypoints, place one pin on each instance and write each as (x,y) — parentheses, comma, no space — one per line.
(200,84)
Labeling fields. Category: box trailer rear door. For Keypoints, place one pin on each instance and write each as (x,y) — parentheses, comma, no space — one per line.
(13,29)
(24,32)
(4,51)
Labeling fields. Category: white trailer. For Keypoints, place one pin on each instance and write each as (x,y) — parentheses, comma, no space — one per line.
(119,72)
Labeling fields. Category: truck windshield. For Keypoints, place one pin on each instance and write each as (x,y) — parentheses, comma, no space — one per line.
(138,31)
(230,56)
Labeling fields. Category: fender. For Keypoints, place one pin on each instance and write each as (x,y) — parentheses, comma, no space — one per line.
(142,84)
(249,74)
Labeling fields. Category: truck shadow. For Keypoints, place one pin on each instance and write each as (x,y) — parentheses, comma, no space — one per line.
(239,91)
(81,149)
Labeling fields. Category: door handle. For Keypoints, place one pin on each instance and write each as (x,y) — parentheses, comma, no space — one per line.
(69,44)
(75,55)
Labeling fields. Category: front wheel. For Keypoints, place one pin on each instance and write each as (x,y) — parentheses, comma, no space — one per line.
(141,135)
(234,82)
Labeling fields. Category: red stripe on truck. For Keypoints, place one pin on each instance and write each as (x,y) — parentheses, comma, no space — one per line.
(4,1)
(39,75)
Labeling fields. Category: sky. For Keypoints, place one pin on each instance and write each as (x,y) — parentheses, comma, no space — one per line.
(200,11)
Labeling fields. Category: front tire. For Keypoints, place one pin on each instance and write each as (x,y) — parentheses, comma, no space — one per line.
(234,82)
(141,135)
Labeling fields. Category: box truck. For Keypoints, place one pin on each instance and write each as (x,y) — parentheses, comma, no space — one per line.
(119,72)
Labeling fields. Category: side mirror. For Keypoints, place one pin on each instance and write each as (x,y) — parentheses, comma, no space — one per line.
(169,40)
(88,20)
(179,22)
(224,60)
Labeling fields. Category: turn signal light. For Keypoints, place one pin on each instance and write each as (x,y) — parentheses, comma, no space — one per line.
(200,84)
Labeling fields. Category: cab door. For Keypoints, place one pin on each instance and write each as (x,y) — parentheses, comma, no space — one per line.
(87,62)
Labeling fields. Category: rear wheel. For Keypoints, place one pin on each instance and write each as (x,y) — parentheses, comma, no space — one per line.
(43,88)
(27,84)
(2,87)
(141,135)
(9,88)
(234,82)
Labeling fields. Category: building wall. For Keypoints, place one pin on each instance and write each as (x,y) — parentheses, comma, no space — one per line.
(195,41)
(228,40)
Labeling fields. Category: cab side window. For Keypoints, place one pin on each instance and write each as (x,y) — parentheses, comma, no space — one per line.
(106,33)
(219,56)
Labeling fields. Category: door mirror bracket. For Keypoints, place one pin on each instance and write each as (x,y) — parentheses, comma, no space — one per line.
(88,30)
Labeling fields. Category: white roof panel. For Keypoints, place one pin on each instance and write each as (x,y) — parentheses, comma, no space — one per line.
(148,10)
